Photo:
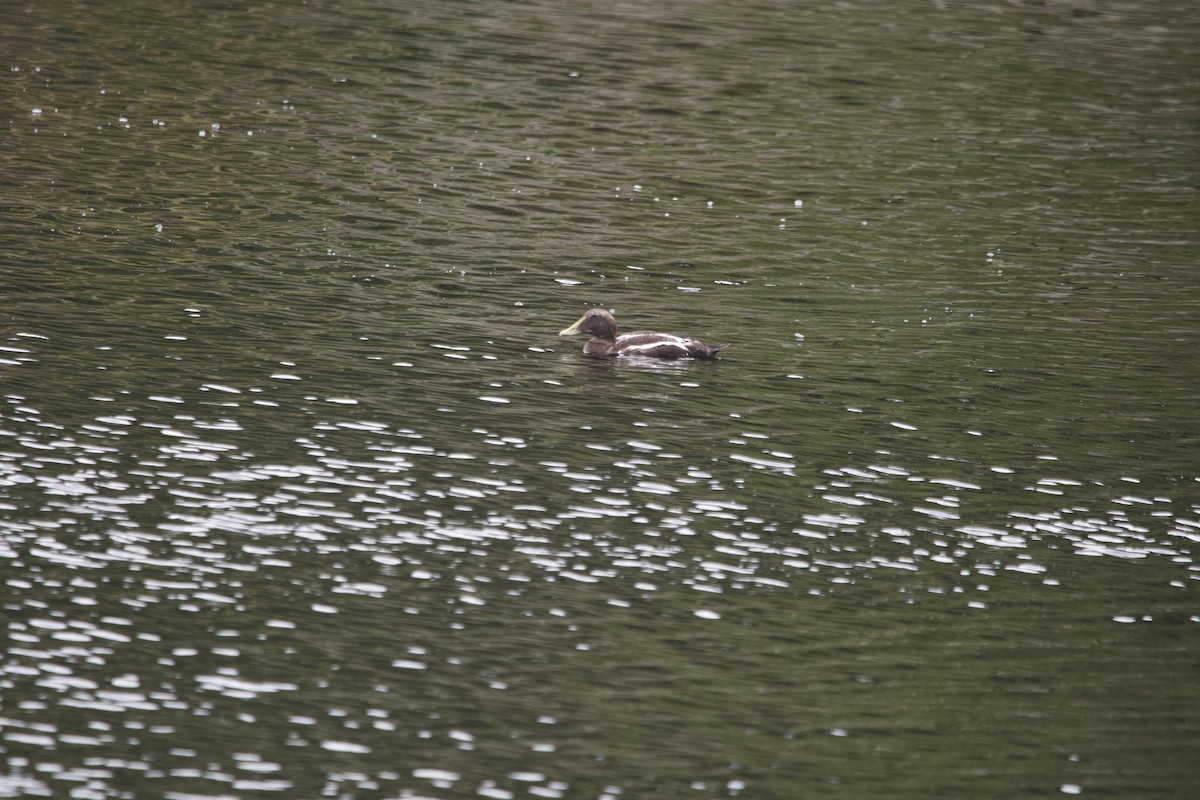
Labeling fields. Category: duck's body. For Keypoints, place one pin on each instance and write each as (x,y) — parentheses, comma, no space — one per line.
(649,344)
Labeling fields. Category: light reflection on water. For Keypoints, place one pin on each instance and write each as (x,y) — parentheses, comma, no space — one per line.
(301,495)
(416,545)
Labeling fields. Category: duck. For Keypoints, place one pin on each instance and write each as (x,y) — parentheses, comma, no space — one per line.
(650,344)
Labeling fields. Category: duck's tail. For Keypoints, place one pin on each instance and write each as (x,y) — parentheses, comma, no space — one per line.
(708,352)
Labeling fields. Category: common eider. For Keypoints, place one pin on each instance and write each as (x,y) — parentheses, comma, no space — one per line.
(605,341)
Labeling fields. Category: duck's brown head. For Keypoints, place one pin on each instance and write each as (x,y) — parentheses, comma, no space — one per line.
(597,322)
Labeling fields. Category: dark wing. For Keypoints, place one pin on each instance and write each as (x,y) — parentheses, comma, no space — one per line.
(664,345)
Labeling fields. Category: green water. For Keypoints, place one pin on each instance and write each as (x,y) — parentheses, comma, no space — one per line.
(302,496)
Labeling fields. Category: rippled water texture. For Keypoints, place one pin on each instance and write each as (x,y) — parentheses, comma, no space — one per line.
(302,496)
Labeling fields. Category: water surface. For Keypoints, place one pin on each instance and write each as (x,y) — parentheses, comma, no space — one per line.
(301,495)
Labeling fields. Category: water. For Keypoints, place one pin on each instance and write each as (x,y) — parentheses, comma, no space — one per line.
(301,495)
